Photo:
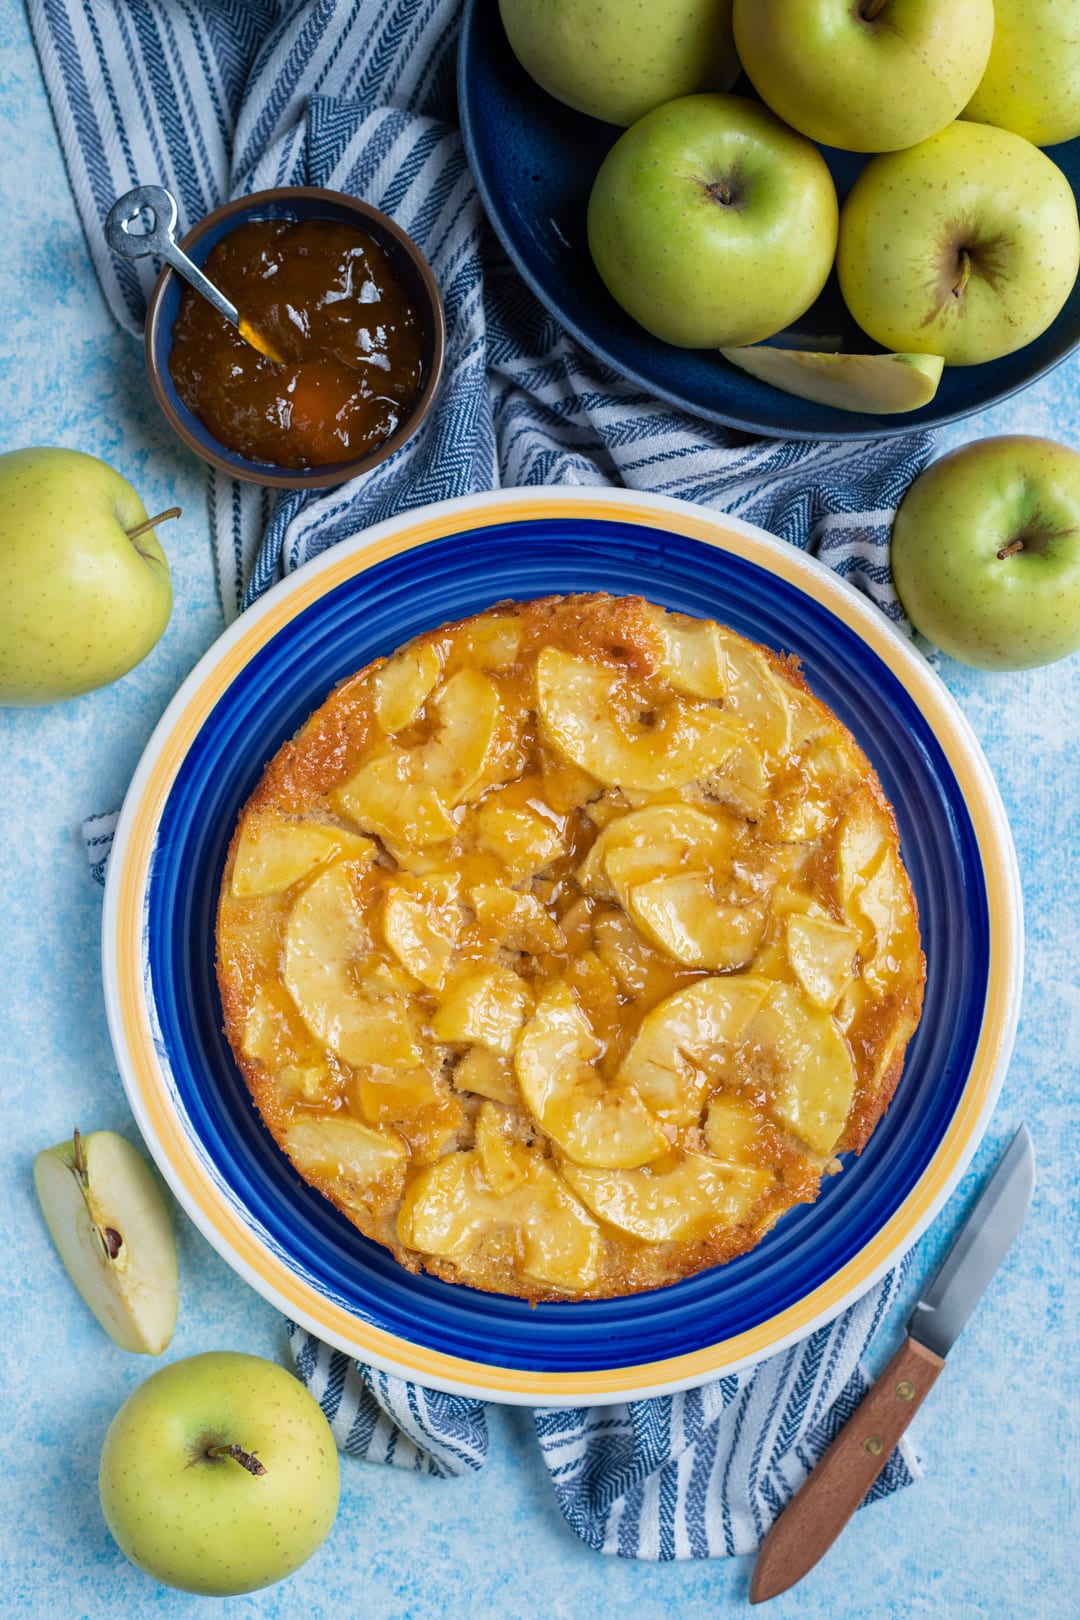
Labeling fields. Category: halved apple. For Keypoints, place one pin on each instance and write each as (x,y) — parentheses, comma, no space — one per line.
(878,384)
(107,1217)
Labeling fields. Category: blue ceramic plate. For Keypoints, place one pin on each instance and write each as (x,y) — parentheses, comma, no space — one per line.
(254,689)
(534,161)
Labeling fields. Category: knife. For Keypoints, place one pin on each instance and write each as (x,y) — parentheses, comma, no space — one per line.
(824,1503)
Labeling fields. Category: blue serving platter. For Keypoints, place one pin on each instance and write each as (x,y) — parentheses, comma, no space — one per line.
(251,693)
(534,161)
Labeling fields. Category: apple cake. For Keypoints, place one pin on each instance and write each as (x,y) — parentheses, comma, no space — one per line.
(567,948)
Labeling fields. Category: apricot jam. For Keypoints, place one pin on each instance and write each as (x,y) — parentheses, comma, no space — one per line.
(324,296)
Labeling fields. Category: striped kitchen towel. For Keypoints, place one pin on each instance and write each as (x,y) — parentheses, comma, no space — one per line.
(216,98)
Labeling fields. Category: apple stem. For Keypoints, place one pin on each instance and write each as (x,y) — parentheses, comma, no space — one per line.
(80,1158)
(720,192)
(152,523)
(246,1459)
(965,272)
(1010,550)
(871,9)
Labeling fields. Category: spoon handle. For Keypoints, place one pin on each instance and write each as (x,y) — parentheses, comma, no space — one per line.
(158,240)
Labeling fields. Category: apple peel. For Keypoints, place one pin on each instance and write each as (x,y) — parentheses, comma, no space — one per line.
(879,384)
(107,1217)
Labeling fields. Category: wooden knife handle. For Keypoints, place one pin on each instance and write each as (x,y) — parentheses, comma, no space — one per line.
(824,1503)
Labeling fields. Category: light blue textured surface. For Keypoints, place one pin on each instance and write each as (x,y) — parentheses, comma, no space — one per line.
(990,1530)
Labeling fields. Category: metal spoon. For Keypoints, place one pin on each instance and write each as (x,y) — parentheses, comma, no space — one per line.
(160,242)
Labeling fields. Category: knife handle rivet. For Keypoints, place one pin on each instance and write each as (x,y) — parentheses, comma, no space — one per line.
(874,1445)
(906,1389)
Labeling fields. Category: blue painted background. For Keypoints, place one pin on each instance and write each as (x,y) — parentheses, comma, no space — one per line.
(990,1530)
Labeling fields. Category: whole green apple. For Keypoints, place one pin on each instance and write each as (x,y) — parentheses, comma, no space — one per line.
(712,223)
(617,59)
(219,1474)
(1032,80)
(865,75)
(85,590)
(985,552)
(966,245)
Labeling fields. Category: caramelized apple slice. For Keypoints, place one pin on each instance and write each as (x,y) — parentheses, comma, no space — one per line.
(470,715)
(675,870)
(485,1007)
(822,952)
(523,841)
(342,1149)
(386,796)
(417,1104)
(657,839)
(516,922)
(273,853)
(756,696)
(687,1043)
(732,1129)
(324,935)
(486,1074)
(493,643)
(593,1123)
(798,1053)
(592,717)
(449,1209)
(698,1194)
(885,905)
(276,1036)
(406,795)
(421,927)
(505,1162)
(403,685)
(693,658)
(684,918)
(863,839)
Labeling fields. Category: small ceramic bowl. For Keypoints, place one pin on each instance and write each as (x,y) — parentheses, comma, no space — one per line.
(294,203)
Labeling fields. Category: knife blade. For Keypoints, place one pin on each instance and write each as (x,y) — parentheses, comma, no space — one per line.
(826,1500)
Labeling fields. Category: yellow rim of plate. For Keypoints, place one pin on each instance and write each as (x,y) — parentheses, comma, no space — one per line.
(133,1036)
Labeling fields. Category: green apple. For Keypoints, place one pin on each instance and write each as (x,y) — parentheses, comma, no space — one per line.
(985,552)
(617,59)
(84,586)
(966,245)
(865,75)
(219,1474)
(1032,81)
(107,1217)
(879,384)
(712,223)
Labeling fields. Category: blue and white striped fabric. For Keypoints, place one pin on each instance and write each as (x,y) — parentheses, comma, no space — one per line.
(216,98)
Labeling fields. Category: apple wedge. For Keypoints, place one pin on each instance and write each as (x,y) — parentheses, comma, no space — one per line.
(107,1217)
(879,384)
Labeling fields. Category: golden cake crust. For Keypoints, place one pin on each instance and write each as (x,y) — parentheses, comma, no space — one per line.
(566,949)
